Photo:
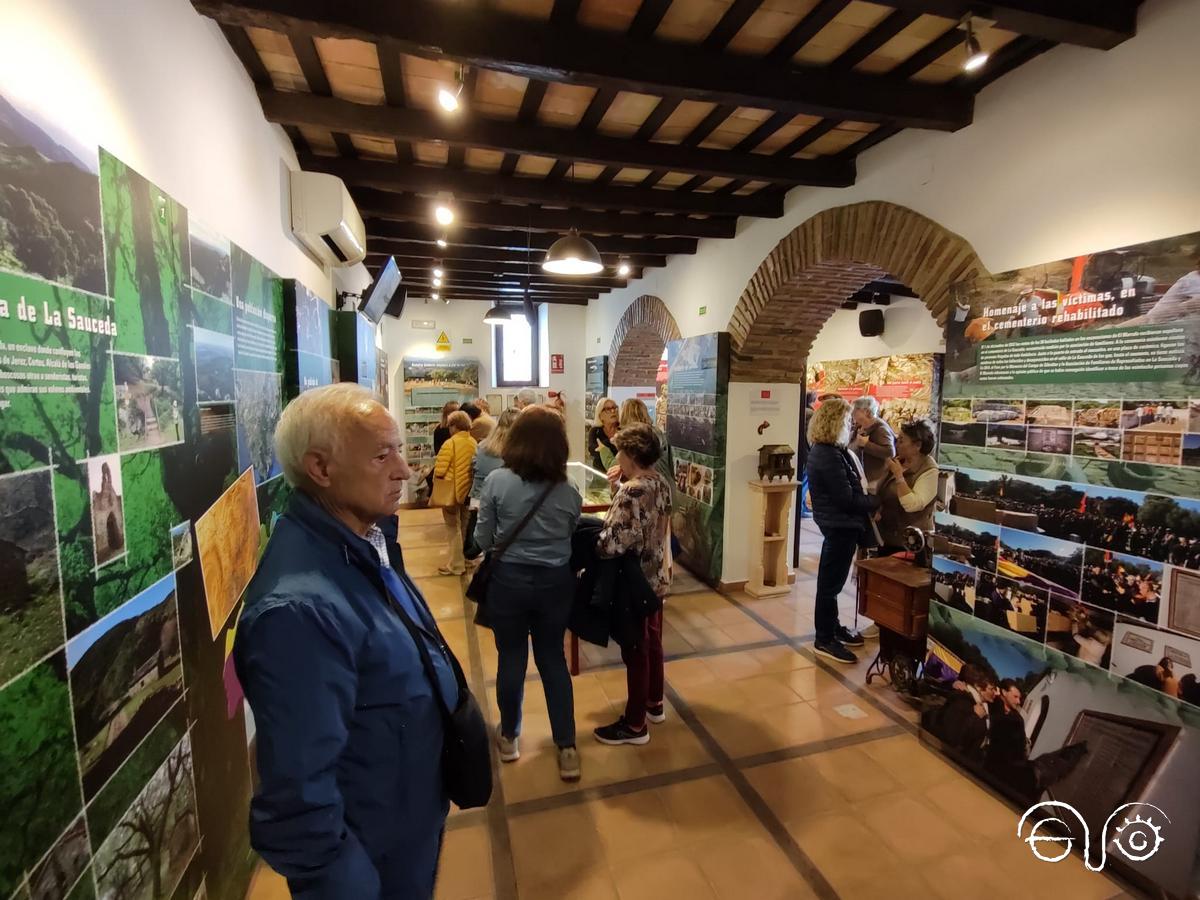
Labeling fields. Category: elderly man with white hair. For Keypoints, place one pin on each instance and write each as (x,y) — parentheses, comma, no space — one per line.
(351,801)
(872,439)
(526,397)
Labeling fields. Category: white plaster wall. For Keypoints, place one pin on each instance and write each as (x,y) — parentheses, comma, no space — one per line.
(158,86)
(464,319)
(1079,150)
(908,328)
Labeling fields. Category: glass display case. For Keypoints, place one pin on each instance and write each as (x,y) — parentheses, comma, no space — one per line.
(592,486)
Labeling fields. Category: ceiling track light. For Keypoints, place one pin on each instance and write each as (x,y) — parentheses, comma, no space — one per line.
(976,56)
(623,267)
(449,98)
(438,272)
(441,242)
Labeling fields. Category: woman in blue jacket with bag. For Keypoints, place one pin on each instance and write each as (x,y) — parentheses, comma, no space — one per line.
(842,509)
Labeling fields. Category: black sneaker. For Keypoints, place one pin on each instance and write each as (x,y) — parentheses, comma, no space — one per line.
(848,637)
(619,732)
(656,714)
(835,650)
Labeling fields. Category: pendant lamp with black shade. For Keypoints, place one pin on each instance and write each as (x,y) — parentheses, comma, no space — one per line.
(573,254)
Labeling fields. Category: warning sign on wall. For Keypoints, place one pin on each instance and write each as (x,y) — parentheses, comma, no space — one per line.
(443,341)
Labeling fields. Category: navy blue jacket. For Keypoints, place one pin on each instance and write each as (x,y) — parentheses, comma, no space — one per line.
(836,492)
(349,735)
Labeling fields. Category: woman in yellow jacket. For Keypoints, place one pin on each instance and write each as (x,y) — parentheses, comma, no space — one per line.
(453,463)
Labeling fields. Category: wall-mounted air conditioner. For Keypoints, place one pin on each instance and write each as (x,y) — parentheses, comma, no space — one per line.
(326,220)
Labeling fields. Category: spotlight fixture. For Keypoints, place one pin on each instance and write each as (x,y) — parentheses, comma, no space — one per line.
(977,57)
(437,282)
(572,255)
(441,242)
(447,301)
(448,98)
(497,315)
(443,214)
(438,272)
(623,268)
(436,296)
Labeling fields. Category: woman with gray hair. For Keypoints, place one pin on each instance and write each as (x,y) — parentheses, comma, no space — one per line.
(872,439)
(841,508)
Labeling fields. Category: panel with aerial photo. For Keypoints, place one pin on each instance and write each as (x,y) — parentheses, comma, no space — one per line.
(1102,443)
(1009,604)
(210,268)
(1048,412)
(49,199)
(214,365)
(258,407)
(969,435)
(1079,630)
(1097,413)
(148,851)
(39,775)
(146,244)
(227,542)
(149,398)
(258,314)
(31,620)
(995,412)
(126,673)
(1129,585)
(1040,561)
(1158,659)
(1009,437)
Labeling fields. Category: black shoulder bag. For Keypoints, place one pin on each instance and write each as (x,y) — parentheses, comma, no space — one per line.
(466,750)
(478,588)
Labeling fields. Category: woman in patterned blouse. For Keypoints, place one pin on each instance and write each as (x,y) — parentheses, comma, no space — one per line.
(637,521)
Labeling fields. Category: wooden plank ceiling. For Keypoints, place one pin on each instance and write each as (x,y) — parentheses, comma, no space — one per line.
(647,124)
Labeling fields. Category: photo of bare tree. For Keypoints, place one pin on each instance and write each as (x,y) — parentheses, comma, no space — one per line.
(148,851)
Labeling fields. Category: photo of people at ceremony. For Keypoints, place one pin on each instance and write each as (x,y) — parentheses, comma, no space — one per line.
(1011,605)
(954,584)
(1041,562)
(966,541)
(1079,630)
(1125,584)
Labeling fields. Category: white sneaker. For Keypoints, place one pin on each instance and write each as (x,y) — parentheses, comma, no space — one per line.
(656,714)
(568,764)
(509,750)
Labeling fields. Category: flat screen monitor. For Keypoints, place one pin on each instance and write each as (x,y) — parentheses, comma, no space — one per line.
(376,301)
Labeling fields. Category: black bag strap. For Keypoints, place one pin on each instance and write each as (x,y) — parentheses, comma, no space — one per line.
(415,633)
(499,549)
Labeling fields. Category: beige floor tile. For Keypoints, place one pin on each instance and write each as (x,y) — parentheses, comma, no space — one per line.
(849,715)
(798,724)
(903,883)
(971,809)
(747,633)
(672,748)
(728,666)
(845,850)
(780,659)
(633,825)
(911,829)
(765,690)
(750,867)
(707,808)
(596,884)
(795,789)
(909,761)
(749,732)
(854,774)
(727,615)
(465,871)
(972,877)
(663,875)
(560,845)
(685,672)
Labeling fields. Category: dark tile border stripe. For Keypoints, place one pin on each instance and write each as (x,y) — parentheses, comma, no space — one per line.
(800,860)
(615,789)
(822,746)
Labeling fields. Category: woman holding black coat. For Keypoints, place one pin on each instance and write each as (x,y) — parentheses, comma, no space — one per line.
(842,509)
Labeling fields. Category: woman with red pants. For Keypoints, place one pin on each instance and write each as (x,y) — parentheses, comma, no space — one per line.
(637,521)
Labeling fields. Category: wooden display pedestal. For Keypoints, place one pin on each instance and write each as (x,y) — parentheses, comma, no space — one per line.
(769,572)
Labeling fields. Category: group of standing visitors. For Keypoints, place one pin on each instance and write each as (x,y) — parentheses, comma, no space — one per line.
(867,486)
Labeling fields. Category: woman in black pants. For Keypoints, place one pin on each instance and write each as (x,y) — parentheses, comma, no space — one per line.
(841,508)
(532,585)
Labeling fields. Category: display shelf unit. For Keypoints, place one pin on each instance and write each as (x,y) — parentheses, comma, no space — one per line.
(769,571)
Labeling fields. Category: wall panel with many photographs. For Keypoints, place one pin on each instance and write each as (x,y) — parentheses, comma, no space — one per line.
(1064,643)
(142,361)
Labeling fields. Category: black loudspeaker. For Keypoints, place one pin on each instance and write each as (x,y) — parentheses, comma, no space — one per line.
(870,322)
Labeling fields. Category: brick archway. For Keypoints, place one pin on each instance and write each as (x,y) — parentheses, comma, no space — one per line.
(639,340)
(822,262)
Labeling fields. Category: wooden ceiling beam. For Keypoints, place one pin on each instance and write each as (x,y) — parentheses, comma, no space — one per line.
(419,125)
(407,208)
(516,239)
(413,252)
(1099,24)
(805,30)
(431,180)
(482,285)
(573,55)
(496,297)
(874,39)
